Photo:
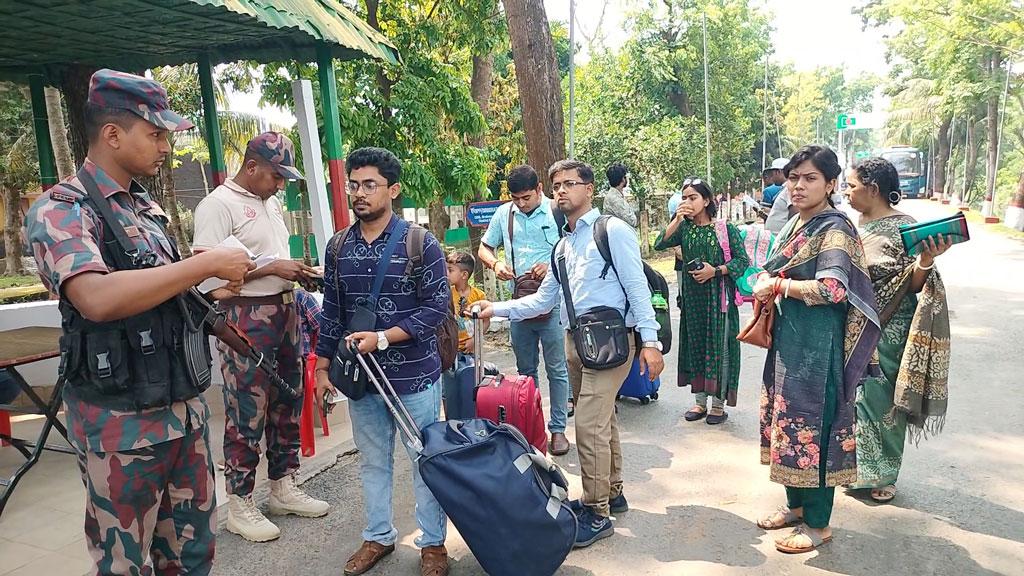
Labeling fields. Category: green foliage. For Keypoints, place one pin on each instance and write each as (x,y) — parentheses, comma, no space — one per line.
(19,165)
(422,109)
(645,104)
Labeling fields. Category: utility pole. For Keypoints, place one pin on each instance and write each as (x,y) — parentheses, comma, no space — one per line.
(572,77)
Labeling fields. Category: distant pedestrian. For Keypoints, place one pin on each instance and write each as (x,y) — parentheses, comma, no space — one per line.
(615,201)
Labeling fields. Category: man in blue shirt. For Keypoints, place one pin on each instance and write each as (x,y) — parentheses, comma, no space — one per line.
(409,310)
(597,433)
(528,251)
(773,180)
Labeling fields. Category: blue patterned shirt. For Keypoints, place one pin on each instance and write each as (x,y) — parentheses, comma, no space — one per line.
(416,304)
(309,325)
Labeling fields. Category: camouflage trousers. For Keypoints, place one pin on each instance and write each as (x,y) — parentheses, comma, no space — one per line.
(252,405)
(151,510)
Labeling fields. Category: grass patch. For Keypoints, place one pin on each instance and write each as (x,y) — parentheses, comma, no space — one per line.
(1001,229)
(18,280)
(664,263)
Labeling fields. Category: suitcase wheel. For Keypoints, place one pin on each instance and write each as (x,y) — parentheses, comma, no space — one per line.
(654,396)
(618,396)
(645,401)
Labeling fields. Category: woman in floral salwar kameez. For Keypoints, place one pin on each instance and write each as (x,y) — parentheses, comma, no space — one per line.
(824,335)
(913,353)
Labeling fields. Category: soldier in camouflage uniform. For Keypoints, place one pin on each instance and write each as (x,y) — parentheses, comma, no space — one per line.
(150,492)
(246,207)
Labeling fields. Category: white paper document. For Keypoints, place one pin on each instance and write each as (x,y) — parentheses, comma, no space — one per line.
(231,242)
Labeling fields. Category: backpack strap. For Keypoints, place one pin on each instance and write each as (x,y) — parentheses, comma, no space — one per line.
(601,238)
(559,217)
(554,255)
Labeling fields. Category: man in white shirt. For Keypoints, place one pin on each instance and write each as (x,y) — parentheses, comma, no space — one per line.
(247,208)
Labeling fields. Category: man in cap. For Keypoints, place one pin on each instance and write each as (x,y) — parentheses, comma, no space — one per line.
(247,208)
(773,180)
(132,394)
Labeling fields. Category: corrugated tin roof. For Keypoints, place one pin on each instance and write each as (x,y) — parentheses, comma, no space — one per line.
(138,34)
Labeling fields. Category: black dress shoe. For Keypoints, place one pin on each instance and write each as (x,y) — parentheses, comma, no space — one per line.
(717,418)
(694,415)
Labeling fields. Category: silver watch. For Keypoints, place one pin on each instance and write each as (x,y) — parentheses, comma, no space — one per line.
(382,341)
(656,345)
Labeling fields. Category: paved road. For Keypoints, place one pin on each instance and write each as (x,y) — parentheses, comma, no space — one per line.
(695,490)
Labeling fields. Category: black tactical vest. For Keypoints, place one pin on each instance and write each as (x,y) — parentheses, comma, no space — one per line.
(149,360)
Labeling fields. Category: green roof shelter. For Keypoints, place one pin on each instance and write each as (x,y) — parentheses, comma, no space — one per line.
(44,38)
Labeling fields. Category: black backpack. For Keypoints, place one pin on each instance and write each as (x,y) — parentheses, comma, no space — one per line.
(655,281)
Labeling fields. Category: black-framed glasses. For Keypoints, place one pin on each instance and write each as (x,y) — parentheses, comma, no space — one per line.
(370,187)
(568,184)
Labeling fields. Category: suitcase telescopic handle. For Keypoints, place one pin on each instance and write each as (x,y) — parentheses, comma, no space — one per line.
(406,423)
(478,344)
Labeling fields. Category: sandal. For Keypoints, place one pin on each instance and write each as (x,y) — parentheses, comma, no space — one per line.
(884,495)
(713,418)
(800,535)
(695,413)
(781,518)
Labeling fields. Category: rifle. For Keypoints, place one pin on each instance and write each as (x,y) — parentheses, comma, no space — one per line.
(202,314)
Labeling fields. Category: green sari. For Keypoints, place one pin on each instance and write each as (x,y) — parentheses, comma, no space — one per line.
(913,355)
(709,354)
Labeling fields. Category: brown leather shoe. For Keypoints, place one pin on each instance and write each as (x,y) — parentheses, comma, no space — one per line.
(367,557)
(434,561)
(559,444)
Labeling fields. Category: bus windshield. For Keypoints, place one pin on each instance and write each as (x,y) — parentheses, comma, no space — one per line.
(906,163)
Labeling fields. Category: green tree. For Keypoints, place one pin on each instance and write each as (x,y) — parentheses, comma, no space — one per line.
(19,168)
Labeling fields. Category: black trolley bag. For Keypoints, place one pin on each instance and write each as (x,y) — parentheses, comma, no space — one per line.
(509,502)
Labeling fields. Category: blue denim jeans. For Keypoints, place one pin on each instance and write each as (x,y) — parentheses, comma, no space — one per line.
(373,429)
(527,337)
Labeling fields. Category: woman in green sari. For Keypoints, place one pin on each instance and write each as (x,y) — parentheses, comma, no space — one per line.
(709,354)
(913,353)
(824,334)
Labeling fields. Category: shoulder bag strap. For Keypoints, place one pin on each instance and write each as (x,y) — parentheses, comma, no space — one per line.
(570,310)
(511,243)
(385,261)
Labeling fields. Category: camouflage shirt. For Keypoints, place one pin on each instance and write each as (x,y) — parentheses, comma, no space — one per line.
(65,236)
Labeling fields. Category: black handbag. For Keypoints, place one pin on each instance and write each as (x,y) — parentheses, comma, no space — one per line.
(600,335)
(345,372)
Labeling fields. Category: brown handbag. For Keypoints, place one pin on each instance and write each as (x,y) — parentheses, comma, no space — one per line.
(758,330)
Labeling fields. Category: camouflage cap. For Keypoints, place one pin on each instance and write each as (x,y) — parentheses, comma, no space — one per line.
(143,96)
(277,149)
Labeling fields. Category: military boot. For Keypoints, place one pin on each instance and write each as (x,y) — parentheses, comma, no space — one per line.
(246,520)
(287,498)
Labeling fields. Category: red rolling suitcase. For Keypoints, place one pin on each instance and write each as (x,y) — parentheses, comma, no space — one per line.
(511,400)
(514,400)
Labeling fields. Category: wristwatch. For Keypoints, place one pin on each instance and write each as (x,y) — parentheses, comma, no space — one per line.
(656,345)
(382,341)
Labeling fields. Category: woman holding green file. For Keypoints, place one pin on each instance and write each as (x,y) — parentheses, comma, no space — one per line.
(913,353)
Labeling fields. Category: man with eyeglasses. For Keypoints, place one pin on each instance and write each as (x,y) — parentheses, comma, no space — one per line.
(597,433)
(246,207)
(412,304)
(528,243)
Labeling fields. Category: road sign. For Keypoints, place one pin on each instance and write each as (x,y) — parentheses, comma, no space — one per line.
(479,214)
(846,122)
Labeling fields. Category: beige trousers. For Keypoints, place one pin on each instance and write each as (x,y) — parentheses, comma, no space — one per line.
(597,429)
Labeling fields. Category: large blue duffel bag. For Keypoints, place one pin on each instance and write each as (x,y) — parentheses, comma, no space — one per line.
(507,500)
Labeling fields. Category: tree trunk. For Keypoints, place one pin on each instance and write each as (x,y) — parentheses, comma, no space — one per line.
(439,218)
(941,159)
(971,168)
(12,231)
(58,133)
(480,86)
(993,131)
(540,89)
(75,86)
(169,202)
(1015,211)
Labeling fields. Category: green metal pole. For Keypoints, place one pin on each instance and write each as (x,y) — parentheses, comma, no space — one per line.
(332,133)
(44,148)
(213,141)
